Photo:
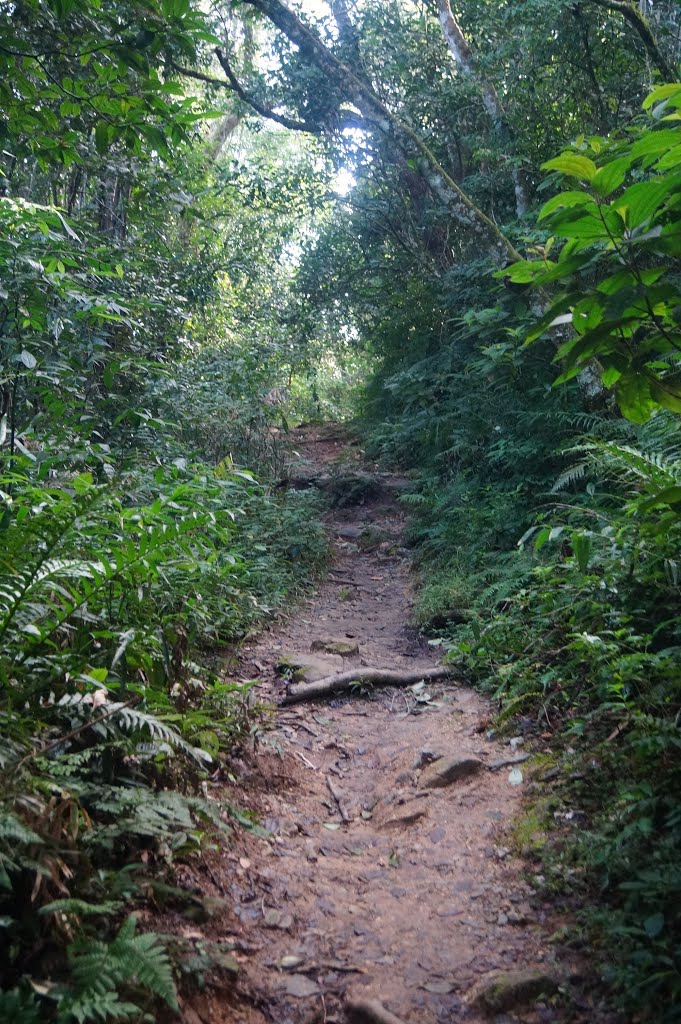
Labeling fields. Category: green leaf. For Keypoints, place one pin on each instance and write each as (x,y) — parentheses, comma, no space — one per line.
(573,165)
(565,200)
(101,137)
(611,175)
(668,397)
(640,201)
(581,545)
(668,496)
(633,397)
(653,925)
(662,92)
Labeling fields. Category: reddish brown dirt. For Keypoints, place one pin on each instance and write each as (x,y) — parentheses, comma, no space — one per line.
(417,895)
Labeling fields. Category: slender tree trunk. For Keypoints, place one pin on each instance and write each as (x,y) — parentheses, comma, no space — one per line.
(465,61)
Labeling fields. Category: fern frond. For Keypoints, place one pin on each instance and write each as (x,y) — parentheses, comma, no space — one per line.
(653,468)
(570,476)
(132,959)
(12,828)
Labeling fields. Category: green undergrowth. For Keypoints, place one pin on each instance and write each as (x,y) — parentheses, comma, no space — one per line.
(114,709)
(576,637)
(546,526)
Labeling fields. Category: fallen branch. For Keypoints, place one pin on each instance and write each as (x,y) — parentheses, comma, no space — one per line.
(338,798)
(345,680)
(369,1011)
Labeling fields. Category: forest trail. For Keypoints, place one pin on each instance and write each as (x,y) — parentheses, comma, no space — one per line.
(371,885)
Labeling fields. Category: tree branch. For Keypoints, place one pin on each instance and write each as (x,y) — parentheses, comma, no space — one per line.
(631,13)
(234,85)
(362,95)
(461,51)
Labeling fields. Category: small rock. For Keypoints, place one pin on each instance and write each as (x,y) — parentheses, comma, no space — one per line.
(301,987)
(272,918)
(504,990)
(349,532)
(343,648)
(439,988)
(502,918)
(404,820)
(441,775)
(426,757)
(303,668)
(288,963)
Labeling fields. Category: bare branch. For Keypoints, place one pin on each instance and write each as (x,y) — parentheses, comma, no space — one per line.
(235,86)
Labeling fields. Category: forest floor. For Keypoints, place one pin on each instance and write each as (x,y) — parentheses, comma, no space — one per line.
(369,883)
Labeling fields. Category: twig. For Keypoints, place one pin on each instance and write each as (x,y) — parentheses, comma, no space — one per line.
(305,760)
(338,797)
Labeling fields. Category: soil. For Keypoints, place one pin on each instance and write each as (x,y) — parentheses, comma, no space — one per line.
(367,882)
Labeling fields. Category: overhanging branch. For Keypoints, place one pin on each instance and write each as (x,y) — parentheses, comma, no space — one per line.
(233,85)
(631,13)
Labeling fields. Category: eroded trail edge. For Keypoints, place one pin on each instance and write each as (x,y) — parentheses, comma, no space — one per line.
(386,874)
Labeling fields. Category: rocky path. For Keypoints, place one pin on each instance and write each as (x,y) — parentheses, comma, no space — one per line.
(388,873)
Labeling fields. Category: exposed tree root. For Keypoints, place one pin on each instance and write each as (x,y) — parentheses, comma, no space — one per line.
(345,680)
(369,1011)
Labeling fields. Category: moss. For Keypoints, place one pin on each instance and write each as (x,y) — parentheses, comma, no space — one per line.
(529,831)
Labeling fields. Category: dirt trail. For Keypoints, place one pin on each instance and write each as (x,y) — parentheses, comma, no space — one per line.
(371,884)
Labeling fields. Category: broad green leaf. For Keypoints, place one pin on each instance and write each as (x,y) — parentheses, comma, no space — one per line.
(581,545)
(101,137)
(667,496)
(641,201)
(668,397)
(634,398)
(564,201)
(611,176)
(662,92)
(573,165)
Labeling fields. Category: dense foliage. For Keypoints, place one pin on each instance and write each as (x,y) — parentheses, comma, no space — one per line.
(140,338)
(214,222)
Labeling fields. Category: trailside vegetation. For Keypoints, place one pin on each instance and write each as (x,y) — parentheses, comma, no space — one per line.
(141,336)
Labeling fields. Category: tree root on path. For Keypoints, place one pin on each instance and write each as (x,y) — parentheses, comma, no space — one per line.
(345,680)
(369,1011)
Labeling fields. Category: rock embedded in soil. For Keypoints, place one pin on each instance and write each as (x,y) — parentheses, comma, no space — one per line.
(504,990)
(426,757)
(303,668)
(446,773)
(301,987)
(368,1011)
(343,648)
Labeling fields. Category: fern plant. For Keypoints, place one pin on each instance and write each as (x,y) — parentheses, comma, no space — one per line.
(107,976)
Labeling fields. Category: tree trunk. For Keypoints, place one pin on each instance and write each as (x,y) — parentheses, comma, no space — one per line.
(465,61)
